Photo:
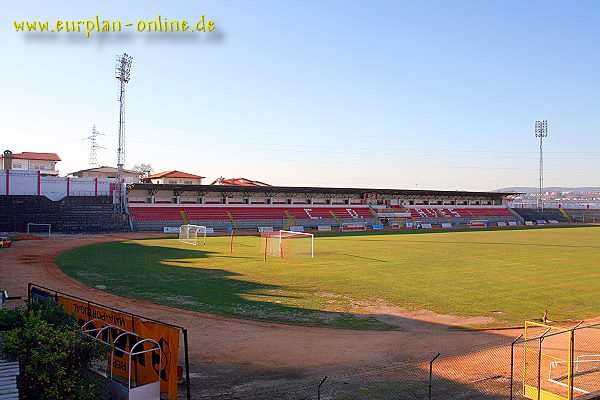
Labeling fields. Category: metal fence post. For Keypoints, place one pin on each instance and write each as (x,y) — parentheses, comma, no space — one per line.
(187,363)
(571,393)
(512,364)
(431,373)
(571,361)
(319,388)
(539,377)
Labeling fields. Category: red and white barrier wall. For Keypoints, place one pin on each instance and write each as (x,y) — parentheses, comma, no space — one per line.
(32,183)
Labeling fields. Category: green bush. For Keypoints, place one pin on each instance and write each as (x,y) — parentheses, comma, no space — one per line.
(50,312)
(54,355)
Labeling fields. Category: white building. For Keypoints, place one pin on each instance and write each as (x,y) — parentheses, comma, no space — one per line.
(108,172)
(174,178)
(30,161)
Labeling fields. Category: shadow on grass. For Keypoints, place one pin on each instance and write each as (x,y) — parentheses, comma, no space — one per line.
(171,276)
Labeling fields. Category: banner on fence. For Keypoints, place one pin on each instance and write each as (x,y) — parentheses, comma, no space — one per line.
(324,228)
(265,229)
(354,226)
(146,366)
(478,224)
(298,228)
(171,229)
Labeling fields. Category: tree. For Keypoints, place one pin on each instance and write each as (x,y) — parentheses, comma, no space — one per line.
(143,168)
(54,354)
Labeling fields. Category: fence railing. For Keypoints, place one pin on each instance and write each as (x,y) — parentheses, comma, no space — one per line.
(512,368)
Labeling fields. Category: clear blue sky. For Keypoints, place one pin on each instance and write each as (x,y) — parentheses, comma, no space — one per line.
(443,95)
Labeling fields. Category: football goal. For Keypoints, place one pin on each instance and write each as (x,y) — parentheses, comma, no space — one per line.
(288,244)
(38,229)
(189,234)
(353,226)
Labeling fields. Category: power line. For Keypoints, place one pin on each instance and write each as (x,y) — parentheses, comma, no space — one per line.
(94,146)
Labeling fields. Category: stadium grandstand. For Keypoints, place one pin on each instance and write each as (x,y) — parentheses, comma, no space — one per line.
(153,207)
(76,204)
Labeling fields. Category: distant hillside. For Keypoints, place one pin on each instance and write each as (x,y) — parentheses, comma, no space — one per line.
(527,189)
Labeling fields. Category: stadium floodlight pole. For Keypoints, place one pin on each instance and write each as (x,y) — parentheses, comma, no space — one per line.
(541,131)
(122,73)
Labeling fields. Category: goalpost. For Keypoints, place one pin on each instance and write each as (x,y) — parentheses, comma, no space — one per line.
(189,234)
(288,244)
(33,227)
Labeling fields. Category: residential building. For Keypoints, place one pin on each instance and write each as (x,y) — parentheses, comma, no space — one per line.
(108,172)
(30,161)
(174,178)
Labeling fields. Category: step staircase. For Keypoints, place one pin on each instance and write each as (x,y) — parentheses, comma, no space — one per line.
(374,213)
(291,219)
(441,214)
(184,217)
(233,221)
(337,220)
(563,212)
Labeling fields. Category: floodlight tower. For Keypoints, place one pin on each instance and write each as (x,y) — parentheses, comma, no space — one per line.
(122,73)
(94,146)
(541,131)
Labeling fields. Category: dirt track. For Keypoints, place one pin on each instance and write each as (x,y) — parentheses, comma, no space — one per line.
(227,352)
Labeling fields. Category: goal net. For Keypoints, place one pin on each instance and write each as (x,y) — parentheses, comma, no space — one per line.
(39,229)
(288,244)
(189,234)
(354,226)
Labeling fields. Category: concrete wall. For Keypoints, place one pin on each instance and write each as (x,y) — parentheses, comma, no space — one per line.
(33,183)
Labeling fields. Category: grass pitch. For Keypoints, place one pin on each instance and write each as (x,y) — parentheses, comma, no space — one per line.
(508,275)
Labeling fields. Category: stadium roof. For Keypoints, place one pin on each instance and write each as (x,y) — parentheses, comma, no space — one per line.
(174,174)
(310,190)
(30,155)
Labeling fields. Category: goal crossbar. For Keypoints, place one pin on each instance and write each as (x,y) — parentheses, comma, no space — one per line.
(189,234)
(35,224)
(275,247)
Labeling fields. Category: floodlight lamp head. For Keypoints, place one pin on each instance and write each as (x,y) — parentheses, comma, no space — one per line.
(541,128)
(123,67)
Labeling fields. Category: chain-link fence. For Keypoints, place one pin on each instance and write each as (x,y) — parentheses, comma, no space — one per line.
(549,362)
(558,363)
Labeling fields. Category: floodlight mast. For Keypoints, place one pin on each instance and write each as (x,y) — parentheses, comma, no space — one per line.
(541,131)
(122,73)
